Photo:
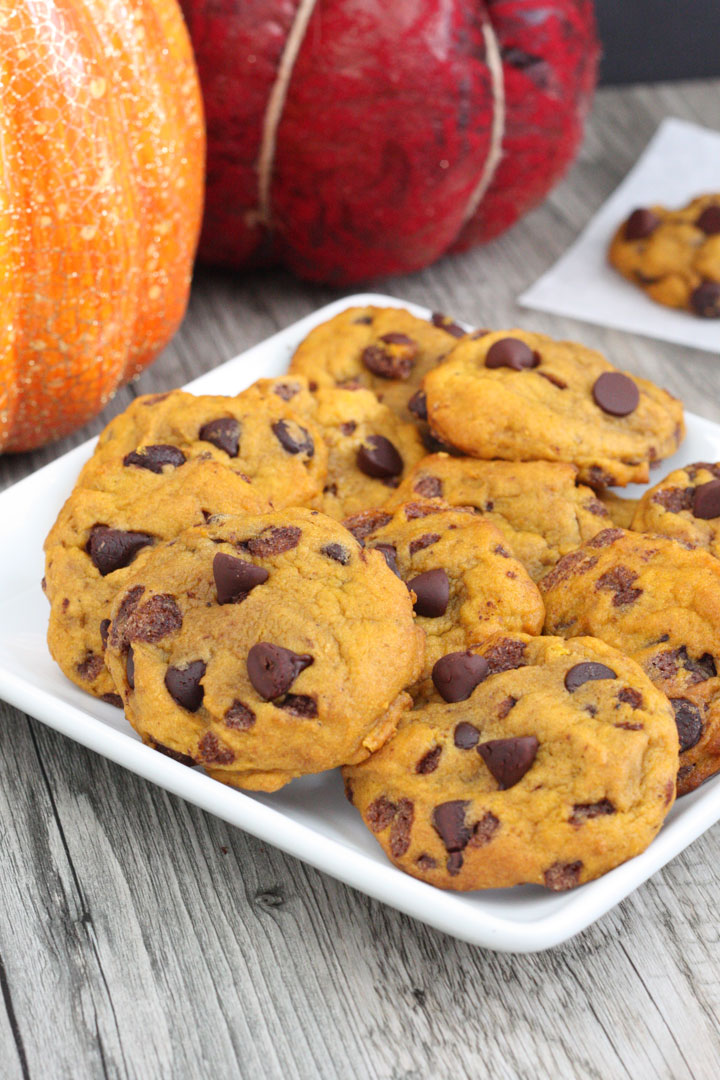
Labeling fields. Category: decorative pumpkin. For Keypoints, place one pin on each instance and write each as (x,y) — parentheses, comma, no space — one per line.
(354,138)
(101,179)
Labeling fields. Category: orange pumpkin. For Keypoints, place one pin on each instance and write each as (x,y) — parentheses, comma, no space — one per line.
(101,183)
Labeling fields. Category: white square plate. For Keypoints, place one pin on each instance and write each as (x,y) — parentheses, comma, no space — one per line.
(309,818)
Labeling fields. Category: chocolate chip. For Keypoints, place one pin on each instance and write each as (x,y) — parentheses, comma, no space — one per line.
(562,876)
(641,224)
(429,762)
(425,862)
(392,357)
(183,685)
(601,540)
(417,405)
(363,320)
(274,541)
(506,705)
(666,665)
(378,457)
(234,578)
(400,828)
(389,553)
(213,751)
(416,510)
(175,755)
(620,581)
(432,592)
(583,812)
(674,499)
(511,353)
(348,428)
(113,699)
(505,655)
(456,675)
(286,391)
(616,394)
(706,500)
(709,220)
(454,863)
(689,722)
(444,322)
(587,671)
(104,627)
(90,667)
(484,830)
(633,698)
(293,438)
(380,813)
(448,820)
(300,705)
(422,542)
(705,300)
(561,385)
(336,552)
(273,669)
(466,736)
(155,619)
(111,549)
(223,433)
(509,759)
(366,522)
(130,668)
(239,716)
(154,458)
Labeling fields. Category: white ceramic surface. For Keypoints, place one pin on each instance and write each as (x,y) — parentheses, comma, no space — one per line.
(309,818)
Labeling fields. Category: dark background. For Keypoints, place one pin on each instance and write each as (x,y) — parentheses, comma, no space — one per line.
(651,40)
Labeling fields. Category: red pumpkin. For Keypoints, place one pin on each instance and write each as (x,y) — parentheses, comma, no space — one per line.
(101,183)
(355,138)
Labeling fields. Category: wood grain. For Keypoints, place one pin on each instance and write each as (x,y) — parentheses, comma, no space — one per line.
(143,938)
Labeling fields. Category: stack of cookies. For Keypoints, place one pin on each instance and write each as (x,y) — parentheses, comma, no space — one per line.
(402,558)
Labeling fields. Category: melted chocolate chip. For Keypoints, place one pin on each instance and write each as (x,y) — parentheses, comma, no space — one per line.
(689,722)
(337,553)
(466,736)
(484,830)
(223,433)
(239,716)
(213,751)
(104,627)
(366,522)
(444,322)
(585,672)
(130,668)
(511,353)
(380,813)
(417,405)
(286,391)
(430,487)
(456,675)
(113,699)
(705,300)
(293,438)
(631,697)
(389,553)
(449,823)
(377,457)
(562,876)
(392,358)
(154,458)
(641,224)
(234,578)
(422,542)
(509,759)
(400,828)
(152,621)
(432,592)
(183,685)
(505,655)
(620,581)
(274,541)
(583,812)
(674,499)
(89,668)
(506,705)
(709,220)
(300,705)
(616,394)
(706,500)
(175,755)
(273,669)
(111,549)
(429,762)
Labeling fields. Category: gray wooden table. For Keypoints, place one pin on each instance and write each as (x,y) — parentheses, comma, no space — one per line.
(141,937)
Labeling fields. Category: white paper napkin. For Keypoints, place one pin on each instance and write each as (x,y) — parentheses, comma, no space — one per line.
(682,160)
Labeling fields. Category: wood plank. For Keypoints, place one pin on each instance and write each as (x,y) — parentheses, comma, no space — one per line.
(144,938)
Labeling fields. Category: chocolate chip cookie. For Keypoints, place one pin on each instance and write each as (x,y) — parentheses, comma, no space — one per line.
(259,434)
(539,507)
(465,583)
(101,537)
(386,350)
(658,601)
(685,505)
(673,255)
(264,648)
(550,762)
(520,396)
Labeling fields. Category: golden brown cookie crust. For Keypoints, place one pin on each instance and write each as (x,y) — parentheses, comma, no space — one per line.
(680,506)
(673,255)
(550,411)
(345,618)
(658,601)
(595,792)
